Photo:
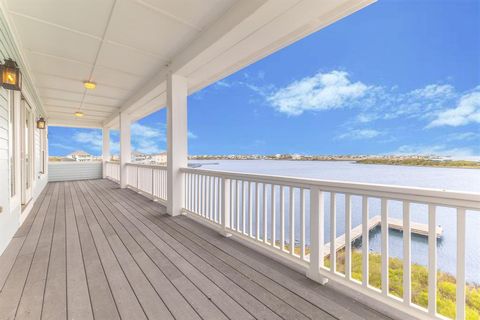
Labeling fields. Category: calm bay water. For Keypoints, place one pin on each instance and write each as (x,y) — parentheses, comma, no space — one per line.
(438,178)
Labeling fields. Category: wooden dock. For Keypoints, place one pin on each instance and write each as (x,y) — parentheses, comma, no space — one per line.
(396,224)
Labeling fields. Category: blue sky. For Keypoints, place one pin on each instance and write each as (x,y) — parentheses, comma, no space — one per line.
(399,77)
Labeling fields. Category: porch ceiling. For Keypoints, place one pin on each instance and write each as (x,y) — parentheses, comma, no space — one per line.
(128,46)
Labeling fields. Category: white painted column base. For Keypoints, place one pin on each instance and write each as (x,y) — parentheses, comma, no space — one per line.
(315,276)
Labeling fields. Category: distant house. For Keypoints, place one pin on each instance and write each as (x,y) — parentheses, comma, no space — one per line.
(80,156)
(159,158)
(140,157)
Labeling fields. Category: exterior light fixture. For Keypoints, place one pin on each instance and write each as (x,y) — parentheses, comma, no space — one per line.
(41,123)
(89,85)
(11,77)
(78,114)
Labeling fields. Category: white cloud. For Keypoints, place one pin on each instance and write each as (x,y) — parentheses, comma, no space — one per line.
(434,91)
(422,103)
(223,83)
(61,146)
(322,91)
(360,134)
(467,111)
(92,138)
(462,136)
(147,139)
(140,130)
(438,150)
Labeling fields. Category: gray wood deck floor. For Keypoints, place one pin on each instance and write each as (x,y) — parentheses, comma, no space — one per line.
(91,250)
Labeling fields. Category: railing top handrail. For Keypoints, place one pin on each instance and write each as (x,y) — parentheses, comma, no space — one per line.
(469,200)
(156,166)
(73,162)
(113,162)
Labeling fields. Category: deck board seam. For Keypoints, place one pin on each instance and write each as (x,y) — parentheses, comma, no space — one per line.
(73,219)
(145,201)
(179,269)
(23,240)
(81,250)
(116,258)
(149,256)
(61,185)
(33,255)
(199,257)
(36,246)
(156,220)
(213,283)
(162,222)
(283,299)
(320,294)
(129,251)
(75,187)
(45,234)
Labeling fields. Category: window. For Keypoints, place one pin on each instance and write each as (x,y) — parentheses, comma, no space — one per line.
(12,142)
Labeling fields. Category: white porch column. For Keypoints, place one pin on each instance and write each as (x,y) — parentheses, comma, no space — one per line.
(125,148)
(105,149)
(177,149)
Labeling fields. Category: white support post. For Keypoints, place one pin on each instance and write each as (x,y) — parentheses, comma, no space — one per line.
(316,235)
(105,150)
(225,206)
(177,155)
(125,148)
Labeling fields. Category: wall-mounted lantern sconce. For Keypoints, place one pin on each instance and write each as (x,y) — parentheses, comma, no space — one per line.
(11,77)
(41,123)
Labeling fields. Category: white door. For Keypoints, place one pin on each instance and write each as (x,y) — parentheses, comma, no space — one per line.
(27,153)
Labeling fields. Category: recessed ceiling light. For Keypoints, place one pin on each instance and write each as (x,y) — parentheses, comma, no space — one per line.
(89,85)
(78,114)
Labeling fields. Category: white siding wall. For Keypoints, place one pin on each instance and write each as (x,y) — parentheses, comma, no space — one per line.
(11,215)
(67,171)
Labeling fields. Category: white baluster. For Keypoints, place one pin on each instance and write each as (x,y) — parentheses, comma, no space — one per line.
(432,260)
(282,218)
(333,231)
(225,202)
(384,240)
(265,213)
(302,223)
(292,221)
(257,211)
(407,257)
(460,264)
(273,221)
(365,235)
(348,240)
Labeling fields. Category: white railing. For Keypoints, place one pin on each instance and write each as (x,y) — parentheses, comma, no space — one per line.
(148,179)
(292,217)
(112,171)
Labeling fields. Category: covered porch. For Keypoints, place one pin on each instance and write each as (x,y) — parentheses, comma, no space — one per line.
(162,242)
(92,250)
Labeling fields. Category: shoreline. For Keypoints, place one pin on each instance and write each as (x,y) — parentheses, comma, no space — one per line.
(427,163)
